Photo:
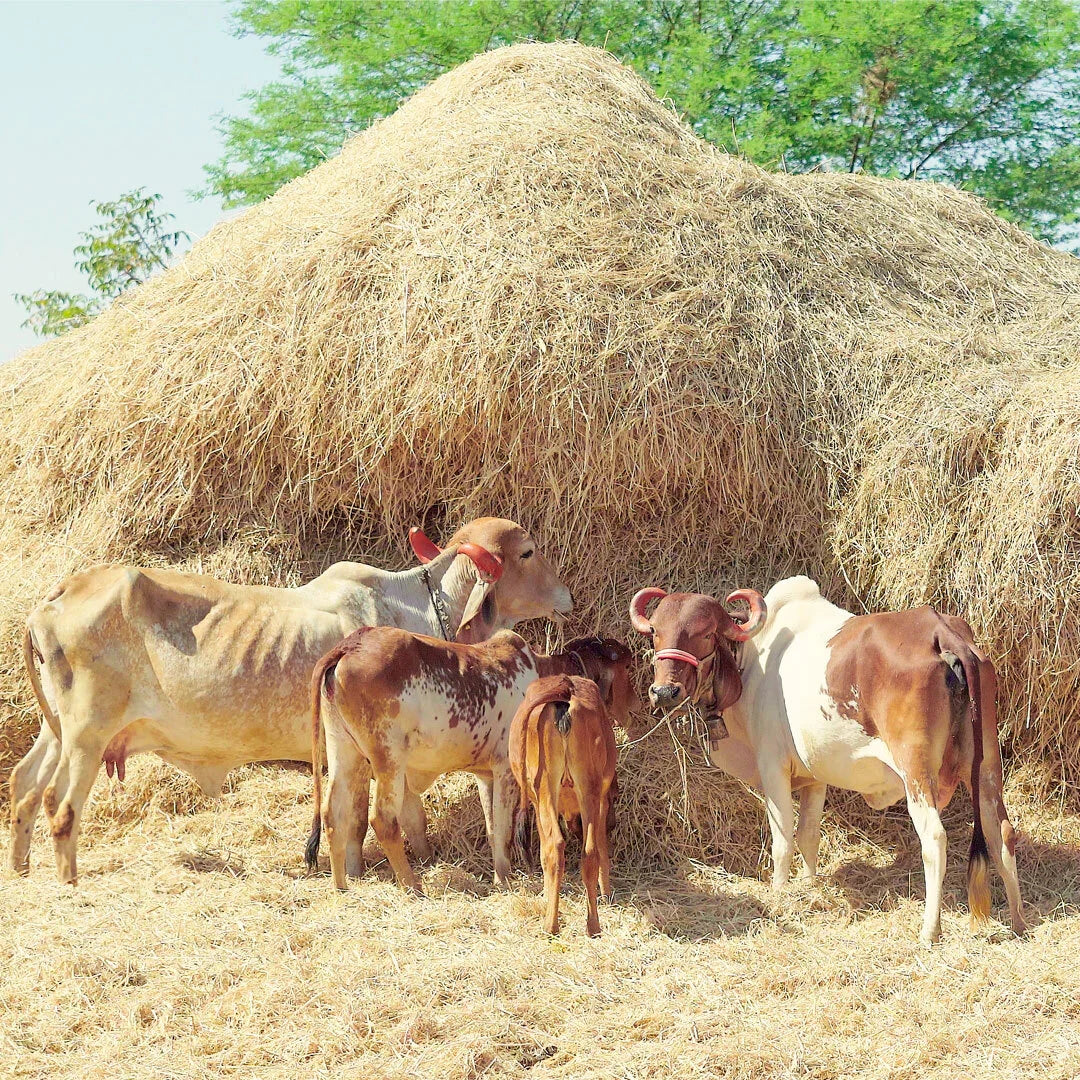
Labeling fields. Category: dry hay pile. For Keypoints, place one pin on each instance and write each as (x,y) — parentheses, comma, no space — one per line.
(532,291)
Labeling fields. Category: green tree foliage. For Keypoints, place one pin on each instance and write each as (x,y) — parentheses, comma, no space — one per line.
(128,244)
(984,94)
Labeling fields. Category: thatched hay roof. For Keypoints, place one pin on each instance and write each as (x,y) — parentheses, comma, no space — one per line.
(533,292)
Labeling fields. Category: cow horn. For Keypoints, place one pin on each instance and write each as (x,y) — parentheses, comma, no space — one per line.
(743,629)
(422,547)
(638,605)
(490,566)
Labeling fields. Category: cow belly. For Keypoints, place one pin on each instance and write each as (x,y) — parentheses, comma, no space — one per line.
(837,751)
(435,748)
(434,738)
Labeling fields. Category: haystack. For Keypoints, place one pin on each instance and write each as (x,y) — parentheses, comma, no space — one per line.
(533,291)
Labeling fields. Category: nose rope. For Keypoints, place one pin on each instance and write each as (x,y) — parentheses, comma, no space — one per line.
(679,654)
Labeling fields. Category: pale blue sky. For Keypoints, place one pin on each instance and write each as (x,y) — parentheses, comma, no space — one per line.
(98,97)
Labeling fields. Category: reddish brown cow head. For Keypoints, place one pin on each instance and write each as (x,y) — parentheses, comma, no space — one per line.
(520,585)
(690,633)
(607,662)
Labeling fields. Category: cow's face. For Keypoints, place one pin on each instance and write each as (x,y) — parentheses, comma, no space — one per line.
(687,623)
(528,587)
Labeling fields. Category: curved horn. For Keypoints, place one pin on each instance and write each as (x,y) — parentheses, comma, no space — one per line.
(490,566)
(741,630)
(638,605)
(422,547)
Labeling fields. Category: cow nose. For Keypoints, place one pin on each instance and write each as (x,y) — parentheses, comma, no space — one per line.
(665,695)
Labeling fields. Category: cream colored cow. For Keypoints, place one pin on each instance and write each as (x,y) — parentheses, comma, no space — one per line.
(210,675)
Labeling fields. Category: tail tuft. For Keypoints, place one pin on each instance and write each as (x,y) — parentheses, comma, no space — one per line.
(311,852)
(978,882)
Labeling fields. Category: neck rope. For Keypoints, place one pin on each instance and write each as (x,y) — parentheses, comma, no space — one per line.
(437,603)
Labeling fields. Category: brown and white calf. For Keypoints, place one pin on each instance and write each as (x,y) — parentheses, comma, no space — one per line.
(562,753)
(893,705)
(409,708)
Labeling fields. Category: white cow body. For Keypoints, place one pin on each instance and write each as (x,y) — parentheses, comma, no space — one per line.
(893,705)
(786,709)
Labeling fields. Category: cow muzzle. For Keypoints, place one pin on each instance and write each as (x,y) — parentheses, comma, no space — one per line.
(563,604)
(665,696)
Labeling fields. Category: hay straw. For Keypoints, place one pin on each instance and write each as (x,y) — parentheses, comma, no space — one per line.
(533,292)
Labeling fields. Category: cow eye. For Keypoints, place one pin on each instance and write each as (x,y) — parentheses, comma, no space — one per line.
(526,554)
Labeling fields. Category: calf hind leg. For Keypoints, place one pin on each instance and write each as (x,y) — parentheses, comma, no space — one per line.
(356,832)
(590,863)
(1001,840)
(552,857)
(602,845)
(26,787)
(386,821)
(345,805)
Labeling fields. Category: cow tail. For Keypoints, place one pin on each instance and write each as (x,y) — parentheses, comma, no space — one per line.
(31,656)
(323,670)
(978,872)
(523,816)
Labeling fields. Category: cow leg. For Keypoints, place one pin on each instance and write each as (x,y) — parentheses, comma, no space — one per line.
(414,822)
(590,859)
(357,829)
(348,778)
(552,852)
(486,785)
(505,797)
(602,841)
(922,806)
(386,821)
(26,787)
(67,792)
(776,783)
(808,832)
(1000,838)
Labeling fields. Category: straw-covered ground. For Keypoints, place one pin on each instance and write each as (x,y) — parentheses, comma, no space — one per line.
(533,292)
(194,946)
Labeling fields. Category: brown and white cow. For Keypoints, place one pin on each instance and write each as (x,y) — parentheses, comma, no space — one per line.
(410,708)
(562,753)
(210,675)
(893,705)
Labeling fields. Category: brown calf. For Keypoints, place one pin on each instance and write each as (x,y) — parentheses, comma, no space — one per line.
(562,752)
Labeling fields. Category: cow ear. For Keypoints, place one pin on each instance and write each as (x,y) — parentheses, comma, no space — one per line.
(481,614)
(727,683)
